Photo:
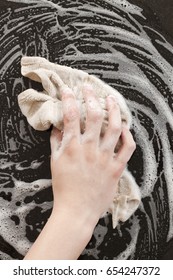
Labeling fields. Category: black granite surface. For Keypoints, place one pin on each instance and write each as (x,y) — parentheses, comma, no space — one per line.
(130,48)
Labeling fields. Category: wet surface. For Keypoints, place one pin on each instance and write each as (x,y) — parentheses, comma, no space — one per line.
(124,45)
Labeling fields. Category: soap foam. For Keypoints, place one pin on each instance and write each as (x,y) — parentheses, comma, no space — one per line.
(112,40)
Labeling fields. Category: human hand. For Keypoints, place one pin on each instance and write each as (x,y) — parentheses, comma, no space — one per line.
(85,169)
(85,174)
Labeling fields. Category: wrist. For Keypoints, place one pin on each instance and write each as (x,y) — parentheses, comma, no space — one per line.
(75,221)
(63,237)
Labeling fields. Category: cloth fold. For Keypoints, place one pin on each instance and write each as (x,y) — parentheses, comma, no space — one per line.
(43,109)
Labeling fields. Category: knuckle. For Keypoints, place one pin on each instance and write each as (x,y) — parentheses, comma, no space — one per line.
(96,114)
(118,170)
(115,108)
(105,158)
(71,114)
(115,128)
(70,148)
(67,94)
(128,140)
(69,151)
(122,163)
(90,157)
(88,139)
(94,110)
(115,105)
(131,145)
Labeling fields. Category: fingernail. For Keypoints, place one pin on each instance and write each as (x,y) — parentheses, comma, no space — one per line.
(110,101)
(87,87)
(112,98)
(66,90)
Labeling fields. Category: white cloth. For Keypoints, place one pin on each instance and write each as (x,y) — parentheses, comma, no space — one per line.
(43,109)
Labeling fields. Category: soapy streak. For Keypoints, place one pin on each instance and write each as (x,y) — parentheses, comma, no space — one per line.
(113,54)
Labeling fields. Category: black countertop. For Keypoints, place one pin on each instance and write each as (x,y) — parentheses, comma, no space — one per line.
(131,50)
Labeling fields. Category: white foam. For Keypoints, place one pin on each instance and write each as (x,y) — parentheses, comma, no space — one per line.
(128,72)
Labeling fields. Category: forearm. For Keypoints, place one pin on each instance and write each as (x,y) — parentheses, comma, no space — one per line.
(64,237)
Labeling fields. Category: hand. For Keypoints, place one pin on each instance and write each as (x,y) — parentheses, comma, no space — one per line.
(85,170)
(85,174)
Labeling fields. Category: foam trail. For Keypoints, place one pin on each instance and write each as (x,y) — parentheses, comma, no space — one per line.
(111,39)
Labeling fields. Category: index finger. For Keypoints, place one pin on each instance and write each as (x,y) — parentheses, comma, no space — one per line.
(71,116)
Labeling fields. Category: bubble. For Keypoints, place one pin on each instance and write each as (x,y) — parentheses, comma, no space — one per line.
(112,40)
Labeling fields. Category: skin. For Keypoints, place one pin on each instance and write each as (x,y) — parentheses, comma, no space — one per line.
(85,174)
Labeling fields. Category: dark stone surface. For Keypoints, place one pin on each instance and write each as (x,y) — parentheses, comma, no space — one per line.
(138,63)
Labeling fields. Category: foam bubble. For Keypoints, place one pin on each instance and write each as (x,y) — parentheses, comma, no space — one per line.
(112,40)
